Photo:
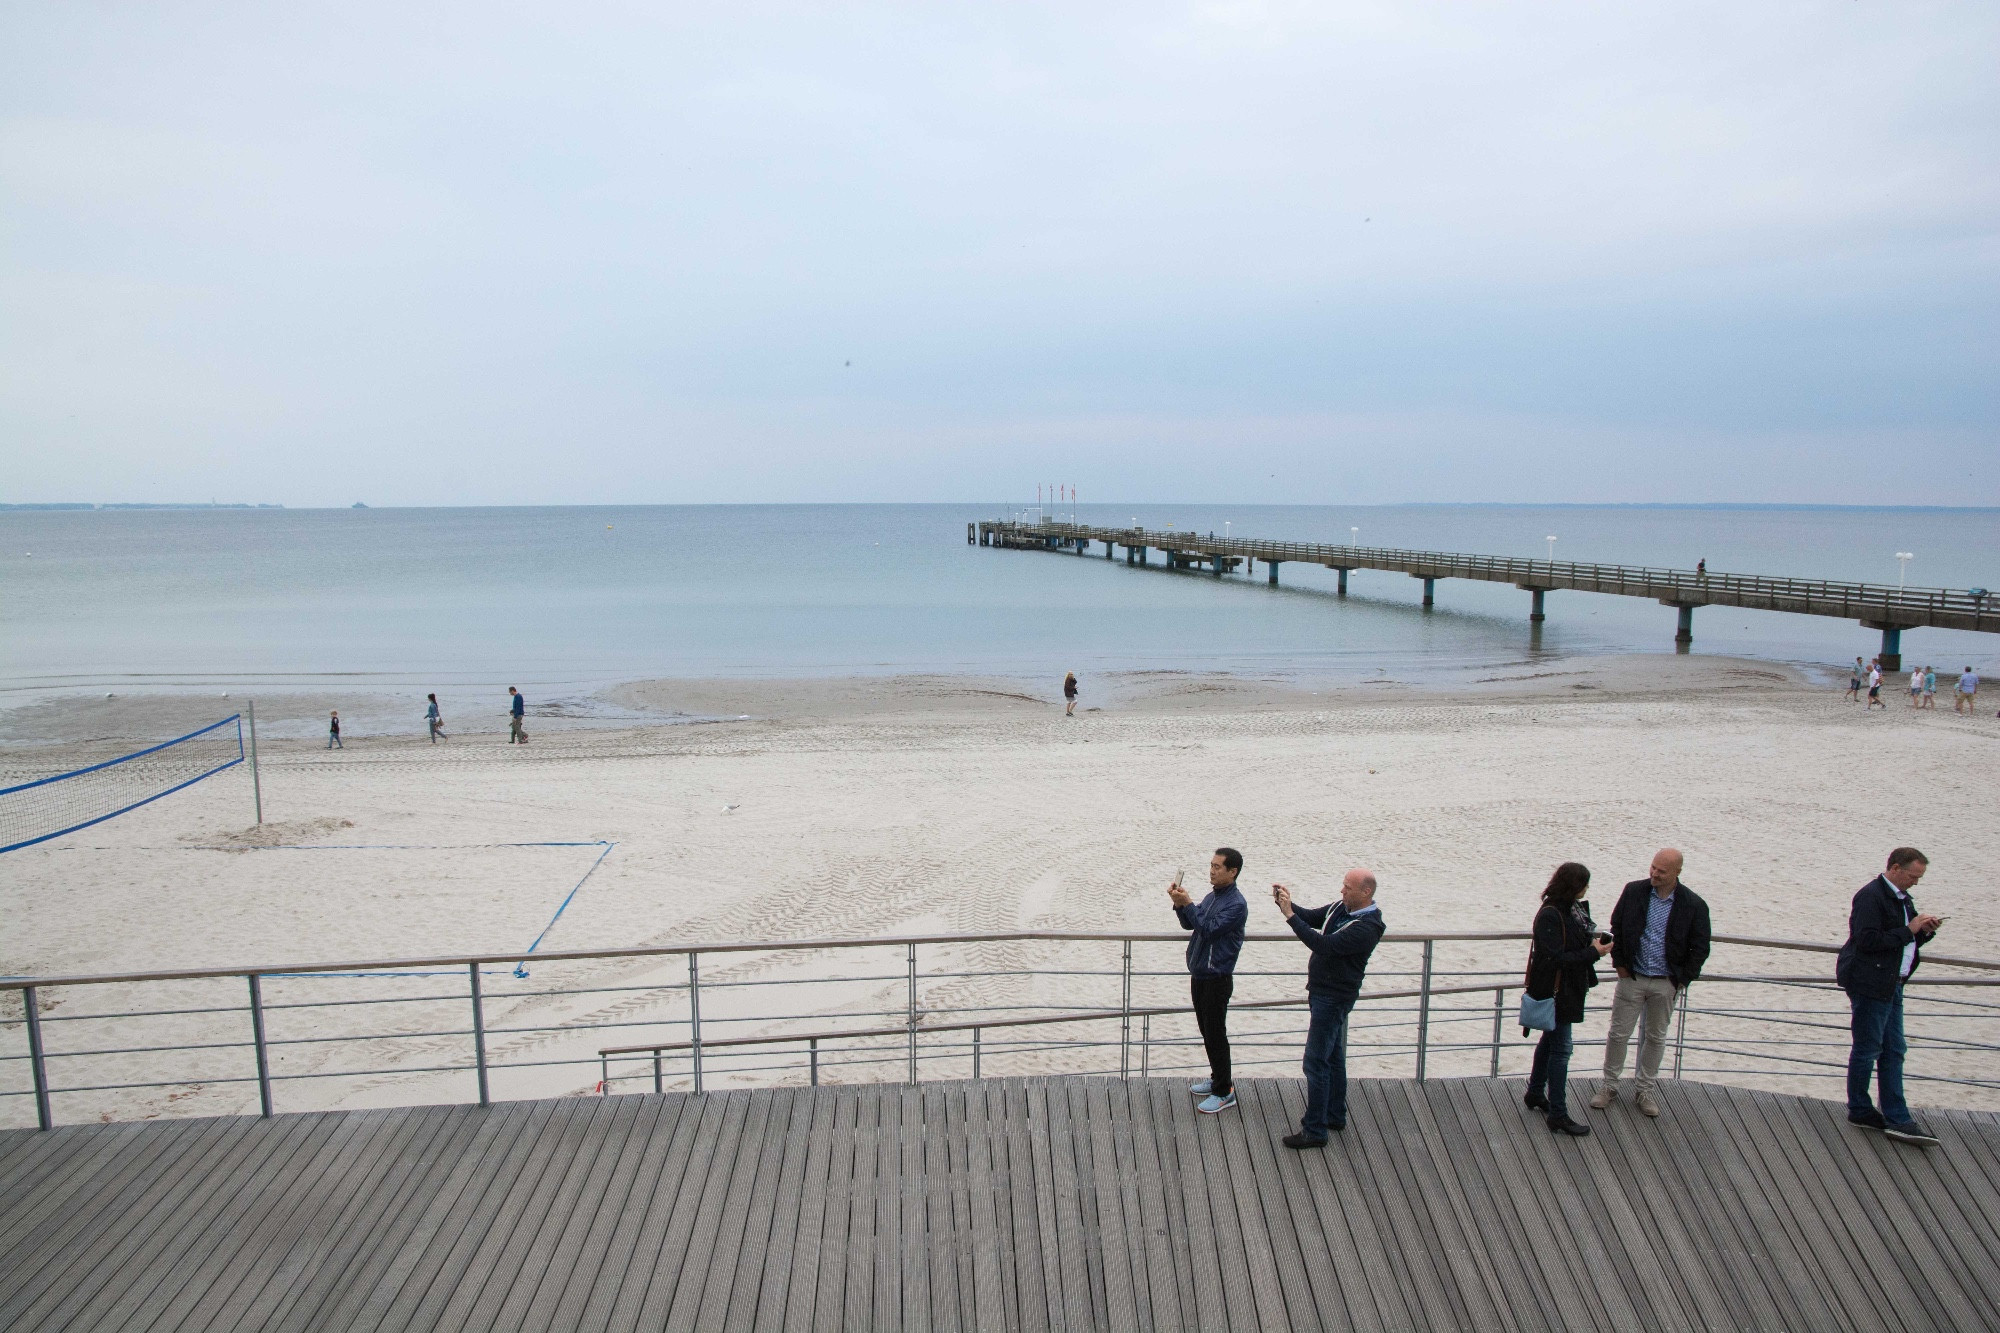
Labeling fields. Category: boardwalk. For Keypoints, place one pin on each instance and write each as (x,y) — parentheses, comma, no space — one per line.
(1878,606)
(1008,1204)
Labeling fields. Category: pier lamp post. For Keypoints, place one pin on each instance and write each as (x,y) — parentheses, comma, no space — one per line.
(1225,529)
(1552,550)
(1903,559)
(1354,536)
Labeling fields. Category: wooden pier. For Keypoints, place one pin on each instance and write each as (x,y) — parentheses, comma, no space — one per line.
(1877,606)
(1012,1204)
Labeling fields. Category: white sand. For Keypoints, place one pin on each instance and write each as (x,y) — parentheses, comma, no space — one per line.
(881,807)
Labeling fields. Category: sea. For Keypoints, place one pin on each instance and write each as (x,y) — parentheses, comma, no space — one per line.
(564,601)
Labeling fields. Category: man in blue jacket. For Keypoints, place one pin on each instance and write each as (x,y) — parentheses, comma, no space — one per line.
(1341,936)
(1885,936)
(1217,924)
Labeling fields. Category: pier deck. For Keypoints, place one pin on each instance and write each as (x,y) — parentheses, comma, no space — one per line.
(1069,1203)
(1877,606)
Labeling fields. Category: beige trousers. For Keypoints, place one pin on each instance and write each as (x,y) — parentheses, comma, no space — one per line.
(1652,997)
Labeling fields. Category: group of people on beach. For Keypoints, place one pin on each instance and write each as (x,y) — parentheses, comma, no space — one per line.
(517,714)
(1923,687)
(1658,940)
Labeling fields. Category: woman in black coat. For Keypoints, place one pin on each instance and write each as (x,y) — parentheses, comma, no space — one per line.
(1563,964)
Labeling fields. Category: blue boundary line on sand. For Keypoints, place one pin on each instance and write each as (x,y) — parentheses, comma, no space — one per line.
(237,718)
(520,969)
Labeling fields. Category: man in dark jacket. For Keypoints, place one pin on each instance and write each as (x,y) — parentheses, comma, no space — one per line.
(1885,936)
(1341,936)
(1217,924)
(1659,940)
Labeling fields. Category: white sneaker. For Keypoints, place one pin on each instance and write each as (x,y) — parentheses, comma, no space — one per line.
(1199,1089)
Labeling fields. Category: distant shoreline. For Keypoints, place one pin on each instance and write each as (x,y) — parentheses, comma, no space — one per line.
(1716,505)
(73,507)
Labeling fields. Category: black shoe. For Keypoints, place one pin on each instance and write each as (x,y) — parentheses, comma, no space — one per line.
(1912,1132)
(1536,1102)
(1867,1119)
(1301,1141)
(1562,1124)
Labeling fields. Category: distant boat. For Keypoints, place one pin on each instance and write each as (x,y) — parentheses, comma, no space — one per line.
(357,505)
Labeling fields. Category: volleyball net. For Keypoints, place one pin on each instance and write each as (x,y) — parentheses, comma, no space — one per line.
(33,812)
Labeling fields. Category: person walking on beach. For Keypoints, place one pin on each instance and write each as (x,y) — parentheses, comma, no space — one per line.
(1659,940)
(1854,679)
(1562,964)
(1916,687)
(1875,686)
(517,732)
(1968,694)
(333,733)
(1217,923)
(1069,693)
(1930,688)
(1885,937)
(1341,936)
(436,721)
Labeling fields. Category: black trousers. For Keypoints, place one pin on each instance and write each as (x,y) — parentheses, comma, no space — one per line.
(1211,1015)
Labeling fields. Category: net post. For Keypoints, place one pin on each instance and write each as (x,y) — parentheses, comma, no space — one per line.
(263,1052)
(37,1061)
(256,781)
(479,1034)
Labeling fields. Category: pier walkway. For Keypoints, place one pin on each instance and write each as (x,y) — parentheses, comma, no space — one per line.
(1877,606)
(1015,1204)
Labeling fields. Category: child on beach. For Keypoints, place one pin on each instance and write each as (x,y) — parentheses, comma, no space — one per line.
(1069,693)
(333,733)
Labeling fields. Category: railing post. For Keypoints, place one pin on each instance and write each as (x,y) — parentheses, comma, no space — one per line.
(1680,1031)
(1424,1011)
(1499,1010)
(975,1055)
(257,1037)
(659,1078)
(812,1055)
(1125,1020)
(479,1034)
(912,1019)
(1145,1045)
(37,1062)
(604,1076)
(694,1013)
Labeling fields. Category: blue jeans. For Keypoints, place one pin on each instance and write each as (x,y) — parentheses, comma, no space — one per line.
(1877,1054)
(1550,1073)
(1326,1066)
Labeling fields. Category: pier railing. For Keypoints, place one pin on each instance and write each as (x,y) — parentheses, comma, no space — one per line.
(486,1027)
(1872,603)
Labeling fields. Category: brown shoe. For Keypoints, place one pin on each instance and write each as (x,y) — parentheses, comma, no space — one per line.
(1606,1094)
(1647,1106)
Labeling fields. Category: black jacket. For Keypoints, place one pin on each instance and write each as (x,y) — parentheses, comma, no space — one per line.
(1562,945)
(1687,931)
(1340,942)
(1877,930)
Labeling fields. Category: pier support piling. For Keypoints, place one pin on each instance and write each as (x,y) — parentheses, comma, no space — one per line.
(1892,645)
(1684,630)
(1343,584)
(1535,613)
(1430,590)
(1271,568)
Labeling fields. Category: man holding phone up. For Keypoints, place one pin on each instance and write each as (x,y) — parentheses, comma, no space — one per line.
(1341,936)
(1217,922)
(1886,935)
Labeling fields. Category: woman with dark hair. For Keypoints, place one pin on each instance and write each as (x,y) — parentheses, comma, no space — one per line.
(1563,963)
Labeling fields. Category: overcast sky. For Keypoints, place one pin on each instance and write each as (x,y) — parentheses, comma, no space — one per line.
(1325,253)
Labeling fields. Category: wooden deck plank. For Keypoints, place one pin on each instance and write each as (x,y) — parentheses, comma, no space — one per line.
(554,1234)
(709,1276)
(324,1237)
(777,1163)
(1075,1202)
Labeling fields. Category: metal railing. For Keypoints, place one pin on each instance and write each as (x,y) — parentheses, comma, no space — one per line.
(419,1031)
(1907,606)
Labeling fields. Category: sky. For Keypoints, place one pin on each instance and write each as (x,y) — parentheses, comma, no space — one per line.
(1328,253)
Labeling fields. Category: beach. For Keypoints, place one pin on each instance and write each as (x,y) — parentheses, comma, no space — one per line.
(923,805)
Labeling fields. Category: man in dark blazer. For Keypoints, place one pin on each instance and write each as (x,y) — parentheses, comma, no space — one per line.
(1885,937)
(1659,940)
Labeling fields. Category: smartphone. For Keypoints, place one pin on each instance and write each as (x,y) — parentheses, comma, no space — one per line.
(1177,876)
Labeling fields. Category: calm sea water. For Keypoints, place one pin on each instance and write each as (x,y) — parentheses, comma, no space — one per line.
(582,595)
